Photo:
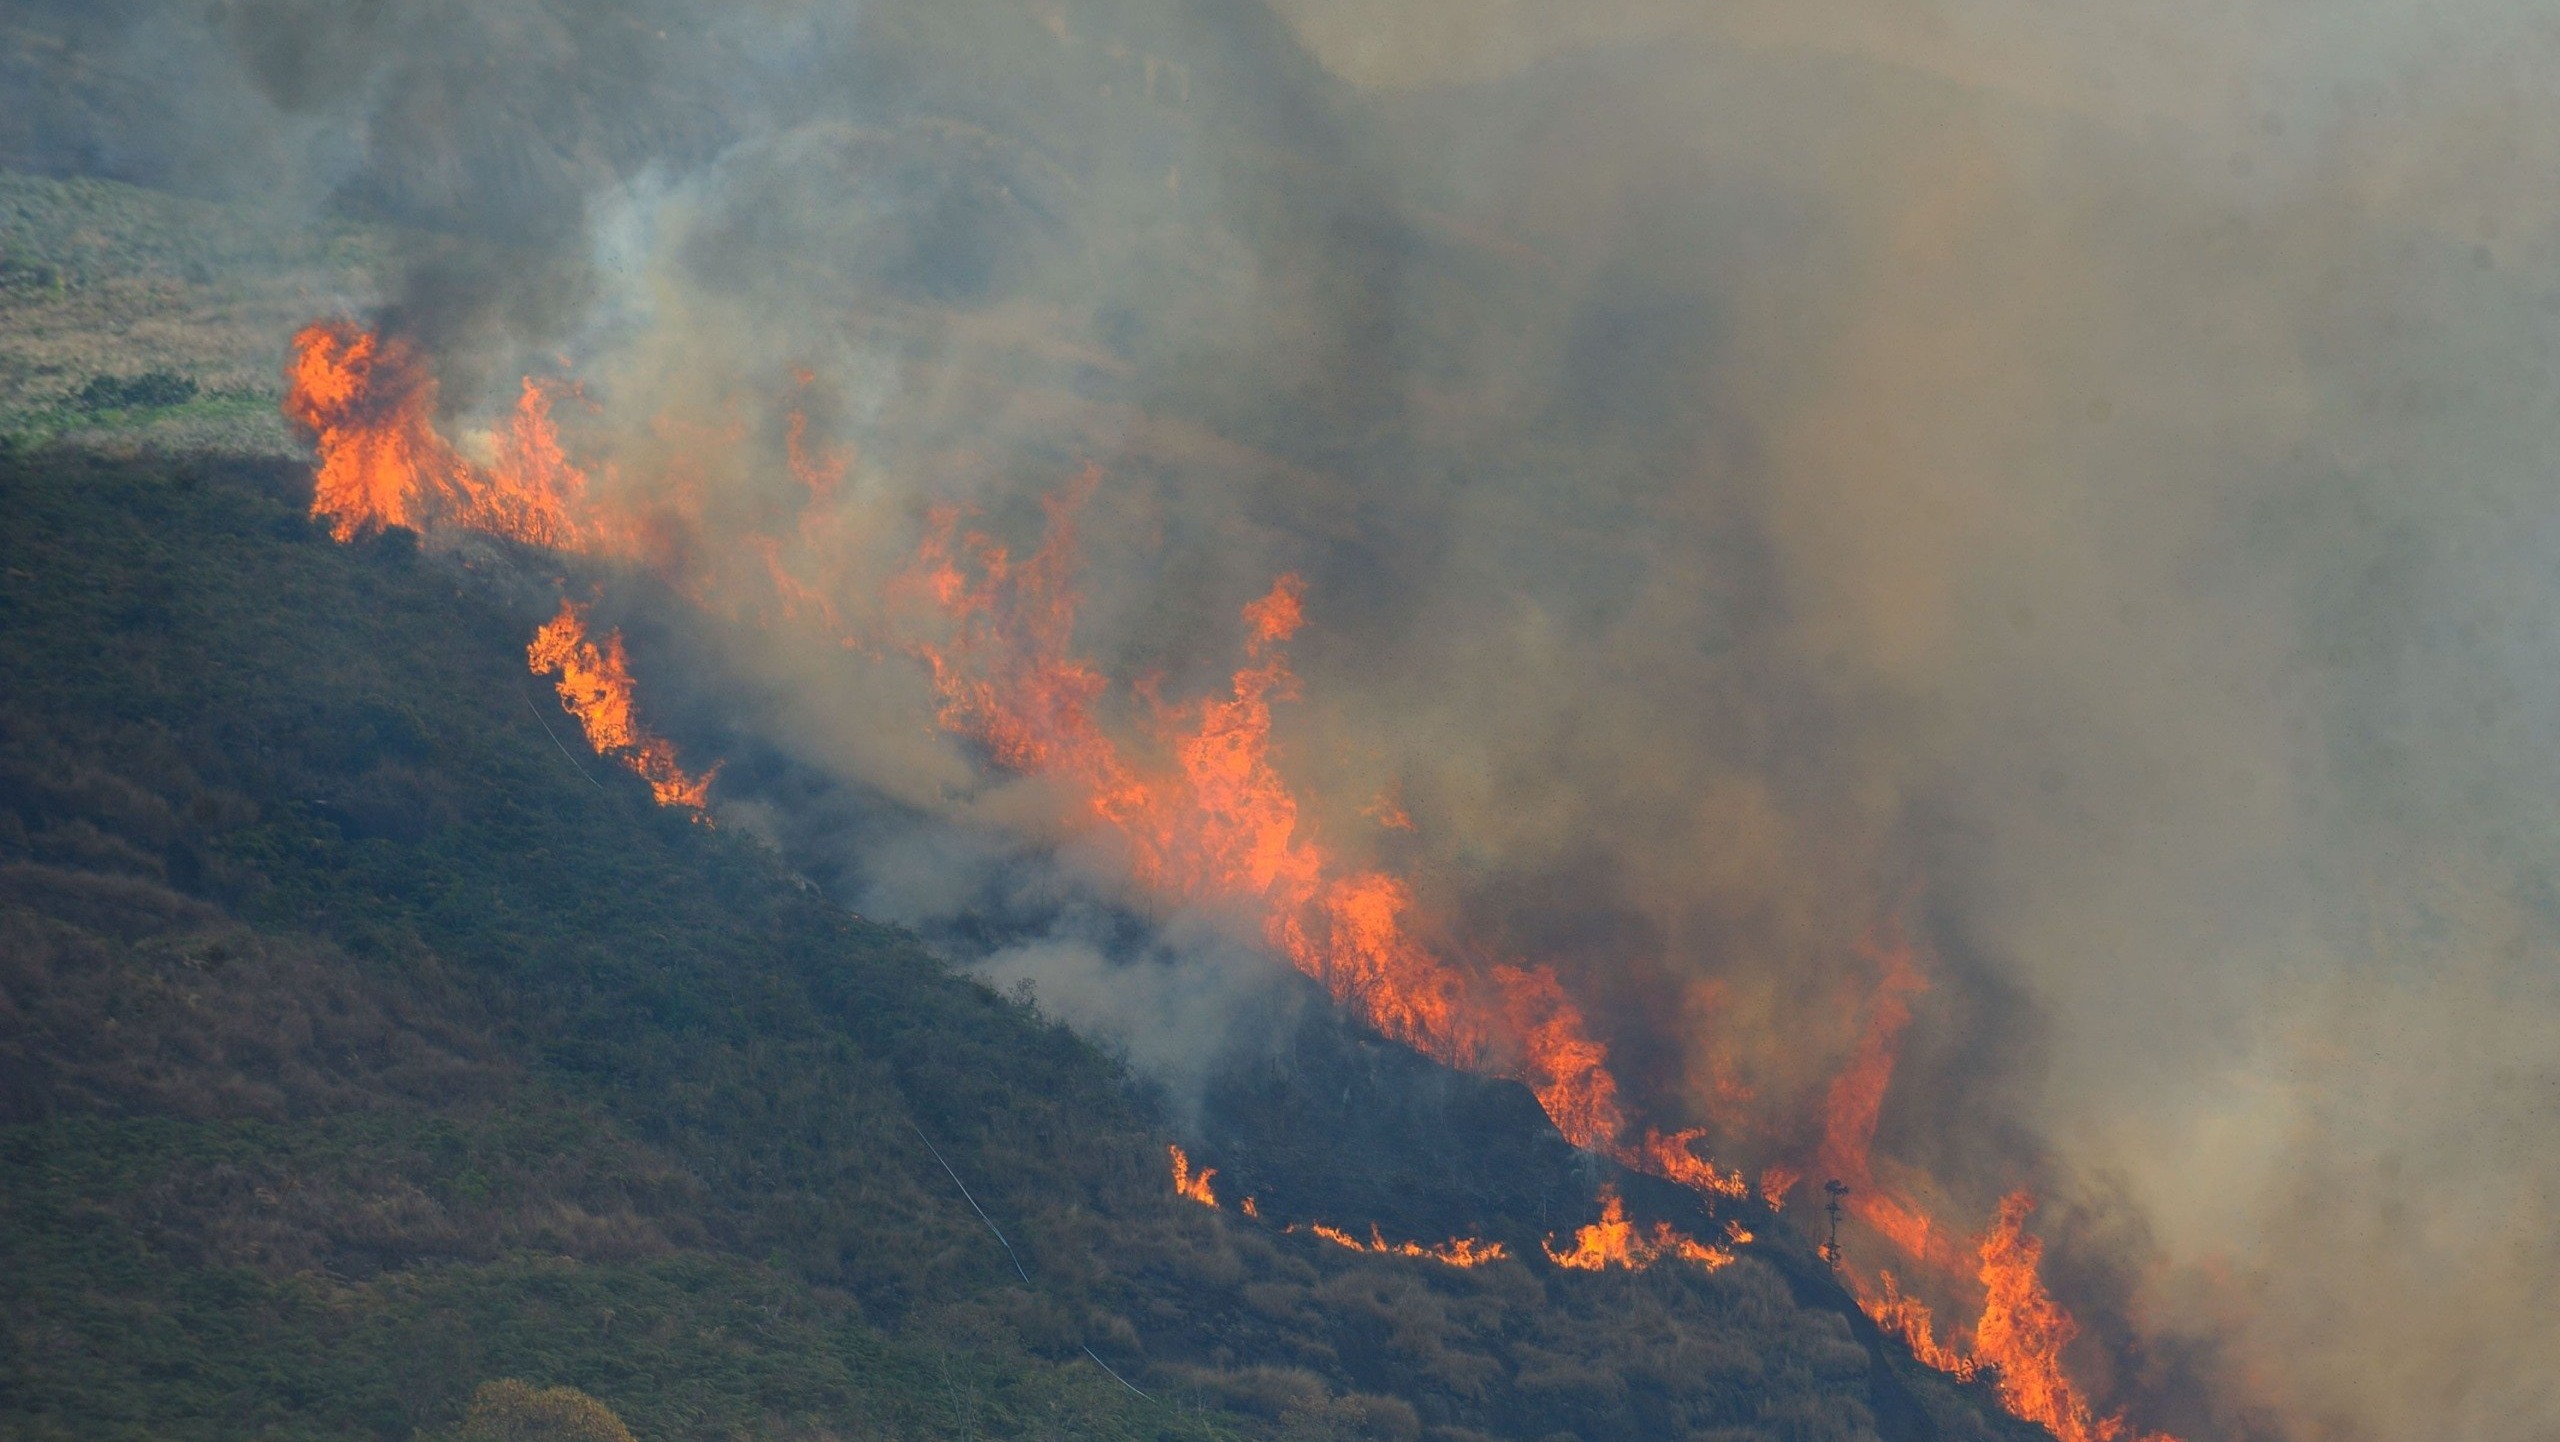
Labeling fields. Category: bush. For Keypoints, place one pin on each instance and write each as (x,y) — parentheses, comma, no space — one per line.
(512,1411)
(151,388)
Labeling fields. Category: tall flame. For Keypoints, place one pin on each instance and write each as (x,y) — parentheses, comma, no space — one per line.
(2019,1340)
(1856,1101)
(1210,818)
(368,403)
(594,683)
(1191,1184)
(2023,1333)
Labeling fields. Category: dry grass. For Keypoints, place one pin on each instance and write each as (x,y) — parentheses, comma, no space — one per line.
(103,279)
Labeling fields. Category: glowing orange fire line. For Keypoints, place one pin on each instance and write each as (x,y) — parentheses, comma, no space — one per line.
(1193,1185)
(1614,1241)
(1201,808)
(595,685)
(1456,1252)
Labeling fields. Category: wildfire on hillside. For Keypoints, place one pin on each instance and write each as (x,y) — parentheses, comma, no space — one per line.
(2023,1333)
(594,682)
(1191,1184)
(1910,1319)
(1615,1241)
(1194,798)
(1456,1252)
(368,403)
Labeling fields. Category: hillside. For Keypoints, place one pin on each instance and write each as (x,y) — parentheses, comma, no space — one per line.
(359,1047)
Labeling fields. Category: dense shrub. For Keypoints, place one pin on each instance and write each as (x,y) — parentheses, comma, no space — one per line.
(151,388)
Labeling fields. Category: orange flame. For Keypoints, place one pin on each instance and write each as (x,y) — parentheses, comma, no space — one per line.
(1908,1318)
(1387,809)
(1671,1157)
(1776,1180)
(1215,821)
(1188,1183)
(595,685)
(2019,1340)
(368,403)
(2023,1332)
(1456,1252)
(1856,1100)
(1201,808)
(1614,1241)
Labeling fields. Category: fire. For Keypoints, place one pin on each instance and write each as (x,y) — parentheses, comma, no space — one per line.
(1456,1252)
(1671,1157)
(1909,1319)
(1776,1180)
(1206,816)
(1614,1241)
(1388,811)
(2023,1333)
(1856,1100)
(1191,1184)
(1193,794)
(594,683)
(368,403)
(2019,1340)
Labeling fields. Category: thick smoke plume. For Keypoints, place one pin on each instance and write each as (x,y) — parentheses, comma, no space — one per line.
(2062,497)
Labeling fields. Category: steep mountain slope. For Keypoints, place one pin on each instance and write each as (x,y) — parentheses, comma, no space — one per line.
(359,1044)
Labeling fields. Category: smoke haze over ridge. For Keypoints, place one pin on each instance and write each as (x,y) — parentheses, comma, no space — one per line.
(2076,488)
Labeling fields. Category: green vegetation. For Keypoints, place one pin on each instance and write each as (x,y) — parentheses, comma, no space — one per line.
(356,1051)
(151,389)
(509,1411)
(131,315)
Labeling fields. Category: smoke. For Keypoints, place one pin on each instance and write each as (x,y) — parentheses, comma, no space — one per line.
(2067,488)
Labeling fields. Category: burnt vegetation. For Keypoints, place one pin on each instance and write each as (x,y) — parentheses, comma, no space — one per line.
(356,1052)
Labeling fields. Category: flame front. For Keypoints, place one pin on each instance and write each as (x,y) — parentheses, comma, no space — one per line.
(1191,1184)
(1191,793)
(1205,814)
(1456,1252)
(594,683)
(368,403)
(1909,1319)
(2023,1333)
(1614,1241)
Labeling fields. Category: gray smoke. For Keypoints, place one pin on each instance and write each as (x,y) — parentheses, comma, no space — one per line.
(2074,484)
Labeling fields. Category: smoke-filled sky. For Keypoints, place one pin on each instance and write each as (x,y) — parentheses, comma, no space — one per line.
(2071,487)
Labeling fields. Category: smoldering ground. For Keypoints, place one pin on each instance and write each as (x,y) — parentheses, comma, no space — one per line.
(2074,487)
